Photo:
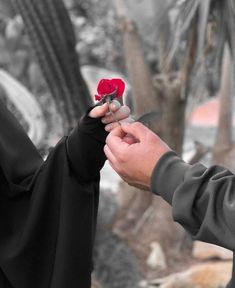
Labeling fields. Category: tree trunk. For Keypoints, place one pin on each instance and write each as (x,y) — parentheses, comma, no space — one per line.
(173,109)
(224,148)
(145,101)
(223,140)
(138,70)
(149,99)
(163,28)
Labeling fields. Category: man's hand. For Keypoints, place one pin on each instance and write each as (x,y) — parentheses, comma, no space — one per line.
(121,113)
(133,151)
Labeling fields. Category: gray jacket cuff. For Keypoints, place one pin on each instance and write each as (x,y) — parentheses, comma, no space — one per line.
(167,175)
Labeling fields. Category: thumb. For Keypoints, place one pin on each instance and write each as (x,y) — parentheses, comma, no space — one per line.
(136,130)
(129,139)
(99,111)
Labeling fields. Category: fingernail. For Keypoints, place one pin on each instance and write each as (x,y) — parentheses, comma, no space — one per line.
(115,104)
(107,128)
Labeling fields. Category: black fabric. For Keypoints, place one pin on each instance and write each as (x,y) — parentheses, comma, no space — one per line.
(48,209)
(202,199)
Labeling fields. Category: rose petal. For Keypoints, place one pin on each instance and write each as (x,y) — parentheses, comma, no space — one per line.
(108,86)
(119,85)
(105,87)
(98,97)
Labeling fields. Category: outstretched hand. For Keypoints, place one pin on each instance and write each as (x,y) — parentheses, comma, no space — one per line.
(133,151)
(121,113)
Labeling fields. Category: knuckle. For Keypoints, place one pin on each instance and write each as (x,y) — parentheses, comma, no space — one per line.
(116,104)
(122,158)
(107,119)
(126,120)
(108,127)
(118,169)
(137,125)
(108,139)
(126,109)
(130,120)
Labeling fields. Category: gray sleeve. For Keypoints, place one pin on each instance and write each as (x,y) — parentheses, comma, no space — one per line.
(202,199)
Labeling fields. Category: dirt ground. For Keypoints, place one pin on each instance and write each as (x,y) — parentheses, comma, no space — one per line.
(178,252)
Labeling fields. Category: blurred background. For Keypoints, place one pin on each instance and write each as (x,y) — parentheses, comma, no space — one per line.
(177,59)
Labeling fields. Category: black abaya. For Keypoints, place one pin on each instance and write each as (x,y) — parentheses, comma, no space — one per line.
(48,209)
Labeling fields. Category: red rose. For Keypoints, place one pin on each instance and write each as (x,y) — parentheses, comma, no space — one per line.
(108,87)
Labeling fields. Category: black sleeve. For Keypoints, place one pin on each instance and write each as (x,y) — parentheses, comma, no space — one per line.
(203,199)
(85,148)
(19,159)
(47,231)
(48,209)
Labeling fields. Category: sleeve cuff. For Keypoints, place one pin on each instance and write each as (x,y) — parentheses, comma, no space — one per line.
(93,127)
(85,147)
(167,175)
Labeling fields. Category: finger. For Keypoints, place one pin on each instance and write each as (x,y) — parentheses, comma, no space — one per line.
(109,154)
(136,129)
(113,125)
(111,159)
(129,139)
(120,114)
(99,111)
(117,133)
(115,141)
(115,105)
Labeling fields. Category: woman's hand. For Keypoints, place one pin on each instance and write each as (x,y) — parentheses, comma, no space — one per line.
(121,113)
